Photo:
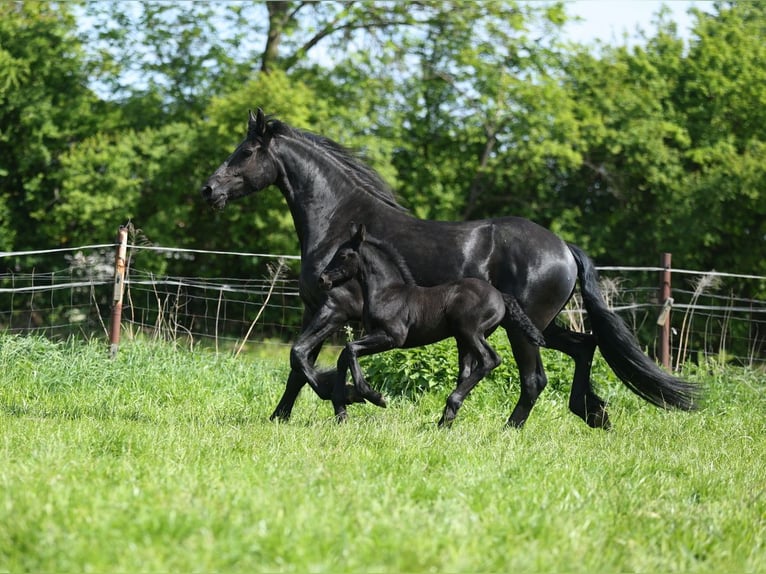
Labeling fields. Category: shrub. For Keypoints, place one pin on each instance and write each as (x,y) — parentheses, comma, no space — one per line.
(412,372)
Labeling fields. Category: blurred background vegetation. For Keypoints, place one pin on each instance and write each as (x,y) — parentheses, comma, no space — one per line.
(113,111)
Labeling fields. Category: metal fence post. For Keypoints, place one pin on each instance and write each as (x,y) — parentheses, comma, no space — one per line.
(664,319)
(119,289)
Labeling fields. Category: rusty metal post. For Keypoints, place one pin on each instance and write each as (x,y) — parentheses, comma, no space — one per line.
(119,289)
(664,319)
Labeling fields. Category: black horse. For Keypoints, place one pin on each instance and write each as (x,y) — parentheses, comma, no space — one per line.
(397,313)
(327,188)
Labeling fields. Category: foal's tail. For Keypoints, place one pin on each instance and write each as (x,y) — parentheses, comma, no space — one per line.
(514,314)
(621,350)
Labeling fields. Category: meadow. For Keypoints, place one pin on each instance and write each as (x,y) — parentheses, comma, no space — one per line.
(164,459)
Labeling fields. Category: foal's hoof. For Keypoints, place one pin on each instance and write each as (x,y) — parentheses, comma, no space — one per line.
(445,422)
(353,395)
(377,399)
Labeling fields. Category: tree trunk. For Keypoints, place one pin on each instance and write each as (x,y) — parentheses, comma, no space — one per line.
(278,15)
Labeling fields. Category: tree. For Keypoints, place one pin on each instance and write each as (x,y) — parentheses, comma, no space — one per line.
(672,145)
(482,93)
(632,150)
(468,109)
(45,105)
(723,93)
(162,61)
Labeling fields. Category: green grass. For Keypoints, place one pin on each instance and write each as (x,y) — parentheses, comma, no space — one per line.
(164,460)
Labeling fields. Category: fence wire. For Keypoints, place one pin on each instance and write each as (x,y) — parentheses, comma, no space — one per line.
(718,315)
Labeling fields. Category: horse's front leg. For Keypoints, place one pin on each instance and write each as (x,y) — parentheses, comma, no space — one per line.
(302,358)
(370,344)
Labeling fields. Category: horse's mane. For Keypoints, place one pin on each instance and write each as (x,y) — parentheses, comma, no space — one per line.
(352,166)
(394,256)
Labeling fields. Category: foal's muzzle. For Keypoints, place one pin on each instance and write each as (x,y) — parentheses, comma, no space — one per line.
(325,282)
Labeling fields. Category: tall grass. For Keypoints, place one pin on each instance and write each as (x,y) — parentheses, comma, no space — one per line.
(164,460)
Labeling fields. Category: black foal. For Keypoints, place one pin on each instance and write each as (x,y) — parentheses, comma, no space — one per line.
(399,314)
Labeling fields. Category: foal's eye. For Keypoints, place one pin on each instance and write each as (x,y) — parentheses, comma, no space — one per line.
(247,152)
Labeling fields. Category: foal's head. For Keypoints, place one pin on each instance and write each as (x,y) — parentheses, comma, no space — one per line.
(346,262)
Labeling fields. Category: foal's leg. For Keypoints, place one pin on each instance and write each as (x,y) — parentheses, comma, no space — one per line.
(477,360)
(466,364)
(532,377)
(375,342)
(582,400)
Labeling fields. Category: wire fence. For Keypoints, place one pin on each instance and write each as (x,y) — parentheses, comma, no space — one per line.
(714,315)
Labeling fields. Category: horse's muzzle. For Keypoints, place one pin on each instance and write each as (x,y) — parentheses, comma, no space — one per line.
(217,200)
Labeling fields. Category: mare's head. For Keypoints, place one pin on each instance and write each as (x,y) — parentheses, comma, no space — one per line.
(250,168)
(346,263)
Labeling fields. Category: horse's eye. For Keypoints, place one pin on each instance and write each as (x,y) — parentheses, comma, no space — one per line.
(247,152)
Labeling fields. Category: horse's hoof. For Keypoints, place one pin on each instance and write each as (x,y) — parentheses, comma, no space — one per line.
(599,420)
(341,418)
(280,416)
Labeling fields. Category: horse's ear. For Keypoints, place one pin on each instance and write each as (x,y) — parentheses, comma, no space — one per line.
(256,125)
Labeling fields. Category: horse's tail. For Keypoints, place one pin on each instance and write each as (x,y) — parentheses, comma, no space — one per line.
(620,348)
(514,314)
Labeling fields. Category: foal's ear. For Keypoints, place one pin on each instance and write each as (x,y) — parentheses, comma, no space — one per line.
(256,125)
(358,232)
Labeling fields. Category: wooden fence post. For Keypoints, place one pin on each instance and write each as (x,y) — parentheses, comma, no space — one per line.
(119,289)
(664,318)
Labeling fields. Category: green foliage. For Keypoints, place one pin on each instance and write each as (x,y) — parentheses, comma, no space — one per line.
(723,95)
(112,112)
(412,372)
(481,94)
(164,460)
(164,61)
(670,156)
(44,106)
(7,229)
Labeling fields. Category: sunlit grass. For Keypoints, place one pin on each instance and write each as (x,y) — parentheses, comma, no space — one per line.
(164,460)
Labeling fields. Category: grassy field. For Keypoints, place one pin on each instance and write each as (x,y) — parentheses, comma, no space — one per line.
(164,460)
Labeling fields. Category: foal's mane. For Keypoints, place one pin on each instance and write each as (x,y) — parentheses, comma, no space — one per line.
(394,256)
(352,167)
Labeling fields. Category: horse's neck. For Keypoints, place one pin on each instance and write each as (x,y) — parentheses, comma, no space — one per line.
(316,190)
(381,271)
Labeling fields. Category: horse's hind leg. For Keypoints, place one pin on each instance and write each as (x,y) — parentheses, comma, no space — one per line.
(477,360)
(582,400)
